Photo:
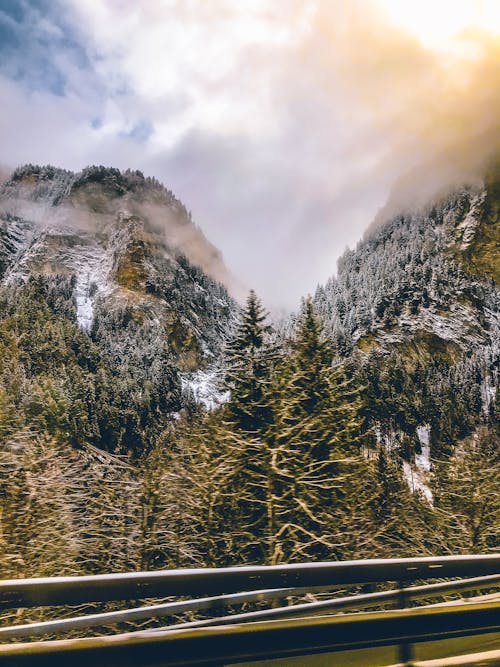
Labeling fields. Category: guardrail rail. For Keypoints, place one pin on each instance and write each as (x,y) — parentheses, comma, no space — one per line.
(278,631)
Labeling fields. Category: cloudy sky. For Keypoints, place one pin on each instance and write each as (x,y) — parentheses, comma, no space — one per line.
(283,125)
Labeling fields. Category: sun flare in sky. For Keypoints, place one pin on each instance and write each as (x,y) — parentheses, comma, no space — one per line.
(441,24)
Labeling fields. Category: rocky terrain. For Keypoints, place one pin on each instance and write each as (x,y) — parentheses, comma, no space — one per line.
(417,303)
(129,248)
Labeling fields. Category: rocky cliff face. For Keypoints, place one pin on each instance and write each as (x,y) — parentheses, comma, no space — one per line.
(416,306)
(127,244)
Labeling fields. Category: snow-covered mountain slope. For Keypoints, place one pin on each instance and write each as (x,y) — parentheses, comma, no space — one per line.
(416,307)
(130,249)
(424,279)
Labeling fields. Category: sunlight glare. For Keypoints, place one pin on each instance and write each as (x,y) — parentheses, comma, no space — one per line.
(438,24)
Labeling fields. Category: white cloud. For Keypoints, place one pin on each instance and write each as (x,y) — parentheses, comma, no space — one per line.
(208,66)
(281,125)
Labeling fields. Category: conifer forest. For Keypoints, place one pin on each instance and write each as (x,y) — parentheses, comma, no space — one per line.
(148,420)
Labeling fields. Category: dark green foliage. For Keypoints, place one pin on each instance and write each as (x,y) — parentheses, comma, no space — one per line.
(72,387)
(321,402)
(250,360)
(402,393)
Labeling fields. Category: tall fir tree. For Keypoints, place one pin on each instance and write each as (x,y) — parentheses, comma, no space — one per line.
(317,449)
(250,358)
(242,435)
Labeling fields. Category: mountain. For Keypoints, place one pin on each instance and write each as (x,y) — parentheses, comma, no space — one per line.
(427,275)
(416,304)
(126,239)
(114,329)
(118,258)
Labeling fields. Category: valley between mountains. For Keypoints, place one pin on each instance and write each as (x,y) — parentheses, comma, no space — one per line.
(150,419)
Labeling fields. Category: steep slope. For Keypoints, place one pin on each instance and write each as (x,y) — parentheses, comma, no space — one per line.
(415,306)
(127,242)
(419,277)
(115,263)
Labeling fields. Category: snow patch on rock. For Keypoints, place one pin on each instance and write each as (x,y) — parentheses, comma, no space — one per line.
(417,480)
(488,393)
(467,228)
(204,387)
(459,325)
(423,460)
(92,266)
(64,250)
(417,474)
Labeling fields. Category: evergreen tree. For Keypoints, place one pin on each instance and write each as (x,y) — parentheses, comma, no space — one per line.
(250,356)
(317,449)
(244,434)
(320,405)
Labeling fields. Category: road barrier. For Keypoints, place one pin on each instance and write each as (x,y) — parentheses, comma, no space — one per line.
(264,633)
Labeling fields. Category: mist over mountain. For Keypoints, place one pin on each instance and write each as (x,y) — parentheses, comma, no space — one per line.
(88,201)
(116,259)
(431,267)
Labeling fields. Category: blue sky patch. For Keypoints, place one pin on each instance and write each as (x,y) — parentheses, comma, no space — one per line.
(140,133)
(34,39)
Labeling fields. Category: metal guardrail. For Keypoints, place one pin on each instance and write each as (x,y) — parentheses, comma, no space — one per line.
(263,640)
(104,619)
(167,609)
(192,643)
(348,603)
(214,581)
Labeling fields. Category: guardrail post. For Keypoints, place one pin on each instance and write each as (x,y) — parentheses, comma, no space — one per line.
(405,649)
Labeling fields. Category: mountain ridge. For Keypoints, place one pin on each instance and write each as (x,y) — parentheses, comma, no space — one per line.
(120,234)
(416,272)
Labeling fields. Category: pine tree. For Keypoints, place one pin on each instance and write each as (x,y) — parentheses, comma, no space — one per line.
(244,435)
(250,357)
(321,403)
(317,449)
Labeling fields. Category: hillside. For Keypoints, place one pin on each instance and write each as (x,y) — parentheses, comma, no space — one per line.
(416,305)
(111,266)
